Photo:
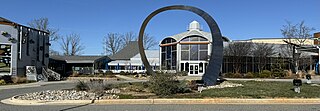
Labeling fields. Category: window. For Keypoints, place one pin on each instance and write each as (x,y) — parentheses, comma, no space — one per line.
(203,47)
(174,59)
(168,40)
(194,38)
(204,55)
(195,52)
(184,55)
(184,47)
(168,56)
(163,49)
(5,58)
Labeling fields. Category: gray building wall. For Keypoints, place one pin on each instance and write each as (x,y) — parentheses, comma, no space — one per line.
(30,49)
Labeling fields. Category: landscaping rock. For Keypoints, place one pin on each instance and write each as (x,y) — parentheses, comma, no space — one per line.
(55,95)
(224,85)
(52,95)
(113,91)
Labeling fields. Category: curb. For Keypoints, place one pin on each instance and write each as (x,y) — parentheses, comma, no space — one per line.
(14,101)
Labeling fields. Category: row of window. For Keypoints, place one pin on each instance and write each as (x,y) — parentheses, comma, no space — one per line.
(194,52)
(191,38)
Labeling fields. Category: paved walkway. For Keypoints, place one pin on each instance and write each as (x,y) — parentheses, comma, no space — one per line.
(127,78)
(35,84)
(315,79)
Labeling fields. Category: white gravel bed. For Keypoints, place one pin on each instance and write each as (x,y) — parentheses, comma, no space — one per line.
(55,95)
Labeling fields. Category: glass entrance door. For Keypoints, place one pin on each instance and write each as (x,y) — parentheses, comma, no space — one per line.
(194,69)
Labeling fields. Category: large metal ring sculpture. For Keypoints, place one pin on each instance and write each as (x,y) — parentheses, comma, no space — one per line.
(214,66)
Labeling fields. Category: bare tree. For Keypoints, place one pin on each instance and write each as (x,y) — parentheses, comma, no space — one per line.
(129,36)
(76,46)
(43,24)
(298,34)
(237,51)
(71,45)
(65,43)
(112,43)
(263,51)
(148,41)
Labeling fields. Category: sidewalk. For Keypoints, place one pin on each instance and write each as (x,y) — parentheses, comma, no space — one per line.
(35,84)
(127,78)
(14,101)
(315,79)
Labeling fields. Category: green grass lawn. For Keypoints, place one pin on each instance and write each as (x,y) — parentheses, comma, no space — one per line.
(251,89)
(255,89)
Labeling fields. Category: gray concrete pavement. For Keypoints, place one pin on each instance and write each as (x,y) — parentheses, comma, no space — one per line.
(6,93)
(219,107)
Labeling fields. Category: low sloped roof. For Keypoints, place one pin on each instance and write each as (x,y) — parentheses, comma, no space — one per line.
(78,59)
(127,52)
(207,35)
(6,21)
(149,54)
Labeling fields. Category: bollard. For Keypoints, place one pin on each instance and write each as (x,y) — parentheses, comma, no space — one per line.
(297,83)
(308,77)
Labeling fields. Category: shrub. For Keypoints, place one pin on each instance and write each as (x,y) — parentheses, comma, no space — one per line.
(183,87)
(123,73)
(109,73)
(192,85)
(18,80)
(265,74)
(100,75)
(94,85)
(249,75)
(2,82)
(182,73)
(228,75)
(82,86)
(97,86)
(75,74)
(237,75)
(278,73)
(7,79)
(289,74)
(164,84)
(256,75)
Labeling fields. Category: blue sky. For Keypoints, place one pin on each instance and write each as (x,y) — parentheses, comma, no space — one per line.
(93,19)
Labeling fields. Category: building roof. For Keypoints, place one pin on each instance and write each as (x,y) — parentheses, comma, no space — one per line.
(8,22)
(194,30)
(149,54)
(78,59)
(152,55)
(5,20)
(276,40)
(127,52)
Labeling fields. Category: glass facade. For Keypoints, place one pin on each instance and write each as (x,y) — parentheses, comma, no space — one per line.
(196,52)
(169,54)
(193,52)
(5,58)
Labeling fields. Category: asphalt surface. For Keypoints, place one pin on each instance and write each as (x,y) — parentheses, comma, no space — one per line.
(7,93)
